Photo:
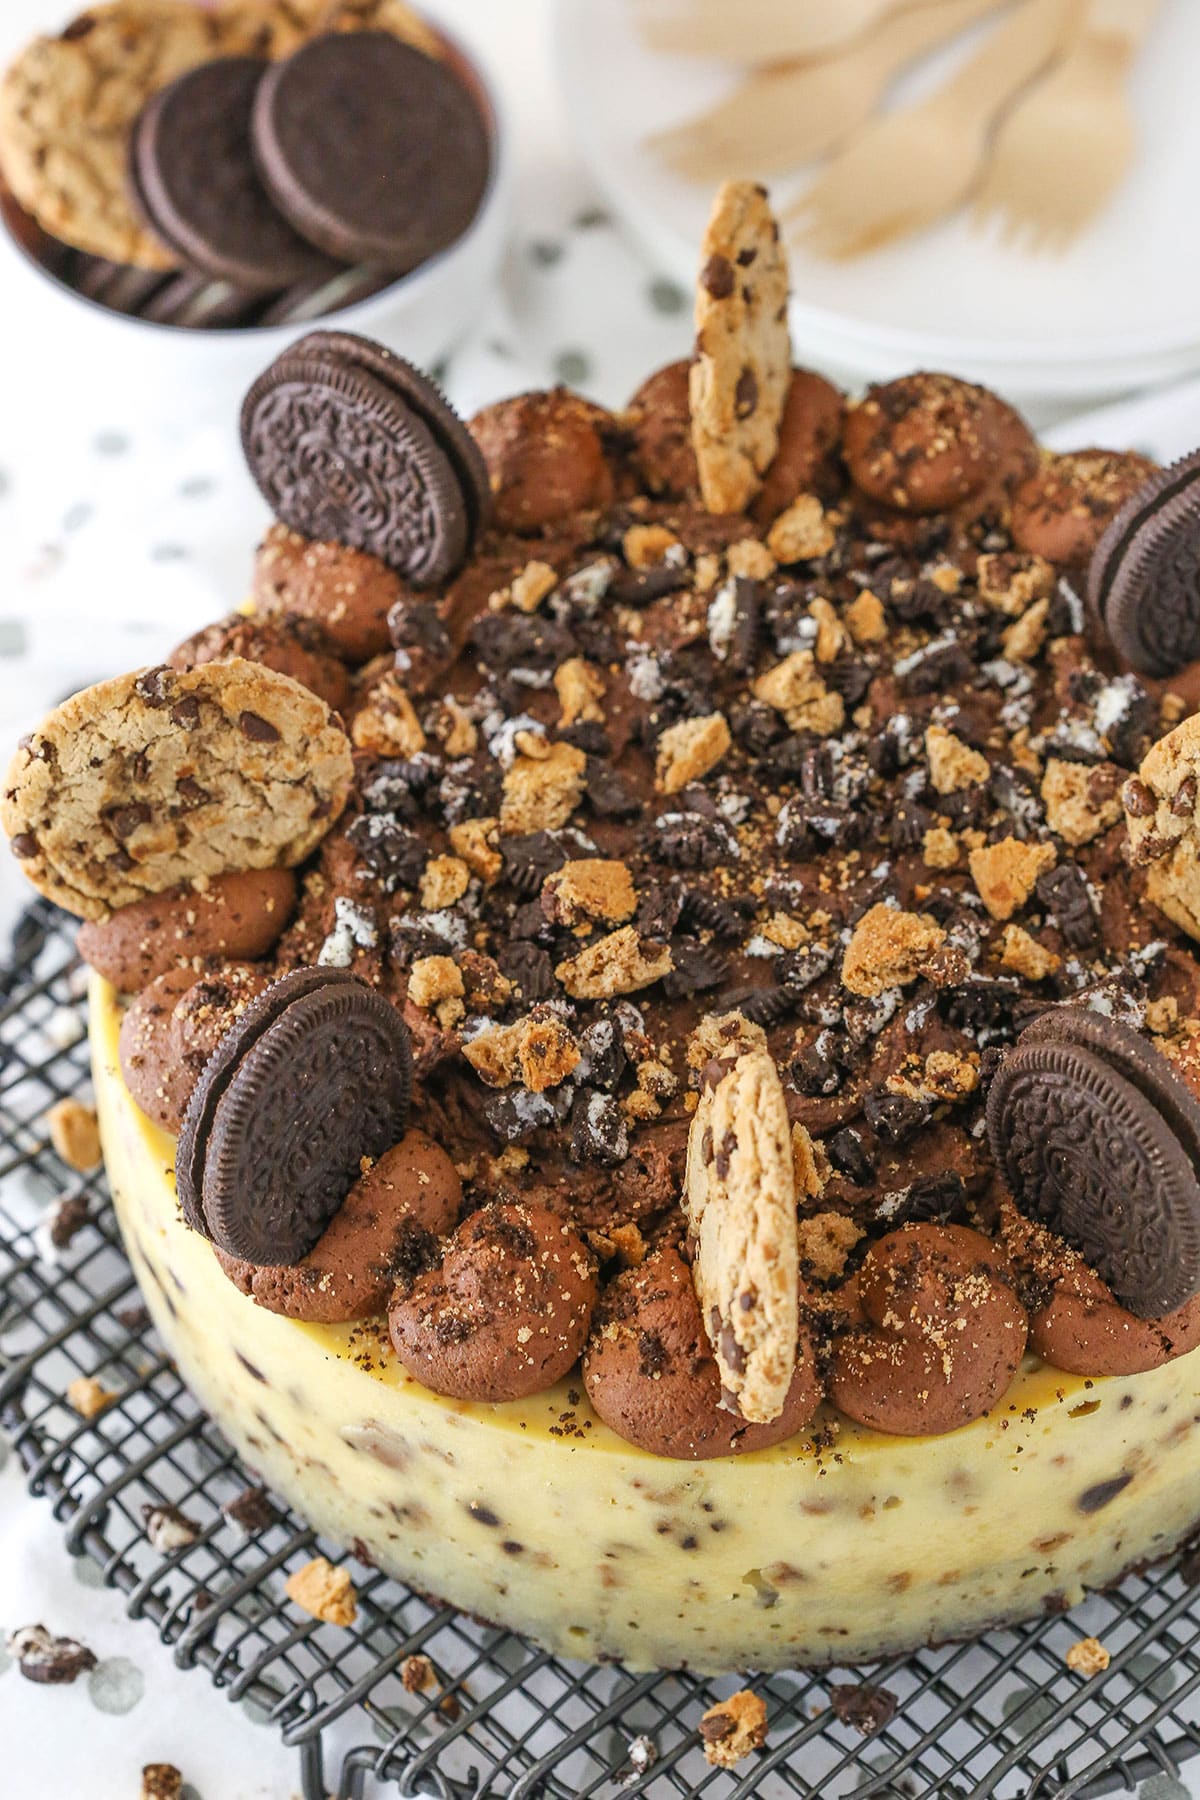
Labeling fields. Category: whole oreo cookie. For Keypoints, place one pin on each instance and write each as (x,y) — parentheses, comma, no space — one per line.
(373,150)
(1099,1139)
(315,1075)
(350,443)
(193,175)
(1144,575)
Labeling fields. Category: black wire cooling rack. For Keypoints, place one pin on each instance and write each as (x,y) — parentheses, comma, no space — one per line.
(1003,1718)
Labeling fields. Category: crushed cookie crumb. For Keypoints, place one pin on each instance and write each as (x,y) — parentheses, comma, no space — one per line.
(689,750)
(530,587)
(721,1035)
(387,725)
(580,687)
(789,933)
(621,963)
(810,1167)
(454,729)
(645,545)
(323,1590)
(832,636)
(474,840)
(88,1396)
(706,572)
(435,984)
(939,848)
(953,765)
(161,1781)
(1088,1657)
(74,1134)
(801,532)
(826,1240)
(1006,873)
(733,1728)
(418,1675)
(539,1050)
(445,880)
(866,620)
(1024,640)
(1010,583)
(888,948)
(751,558)
(1081,801)
(543,787)
(590,888)
(1023,955)
(795,689)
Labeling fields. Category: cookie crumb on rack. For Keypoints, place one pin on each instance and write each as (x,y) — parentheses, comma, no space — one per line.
(1088,1657)
(168,1529)
(417,1675)
(89,1396)
(75,1134)
(325,1591)
(733,1728)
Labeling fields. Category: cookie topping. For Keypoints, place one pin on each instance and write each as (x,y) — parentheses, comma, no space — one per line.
(743,355)
(315,1075)
(120,801)
(1100,1140)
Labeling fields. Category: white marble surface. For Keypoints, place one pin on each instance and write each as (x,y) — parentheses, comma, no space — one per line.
(122,526)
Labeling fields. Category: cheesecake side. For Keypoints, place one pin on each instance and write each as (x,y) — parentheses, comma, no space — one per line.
(842,1544)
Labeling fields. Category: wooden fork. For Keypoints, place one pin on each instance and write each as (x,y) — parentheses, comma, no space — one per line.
(1067,143)
(757,31)
(781,117)
(909,168)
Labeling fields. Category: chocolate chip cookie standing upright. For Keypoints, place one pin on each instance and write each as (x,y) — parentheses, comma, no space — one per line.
(739,379)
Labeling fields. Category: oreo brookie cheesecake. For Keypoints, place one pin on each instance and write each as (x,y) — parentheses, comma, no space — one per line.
(667,942)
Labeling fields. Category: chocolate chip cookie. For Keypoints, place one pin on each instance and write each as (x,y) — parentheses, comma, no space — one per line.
(740,378)
(740,1198)
(164,777)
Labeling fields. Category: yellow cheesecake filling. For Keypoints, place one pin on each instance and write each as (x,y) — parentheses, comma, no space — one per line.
(839,1545)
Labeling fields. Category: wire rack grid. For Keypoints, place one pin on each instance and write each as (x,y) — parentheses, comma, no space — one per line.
(1000,1719)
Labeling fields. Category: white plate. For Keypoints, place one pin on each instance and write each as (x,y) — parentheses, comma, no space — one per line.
(1118,309)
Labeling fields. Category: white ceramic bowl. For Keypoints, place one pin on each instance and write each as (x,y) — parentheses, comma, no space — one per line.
(159,371)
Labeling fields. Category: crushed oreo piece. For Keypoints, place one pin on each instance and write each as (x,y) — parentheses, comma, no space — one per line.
(695,968)
(685,840)
(394,855)
(167,1529)
(895,1116)
(598,1129)
(608,793)
(251,1511)
(49,1660)
(1067,898)
(865,1708)
(530,970)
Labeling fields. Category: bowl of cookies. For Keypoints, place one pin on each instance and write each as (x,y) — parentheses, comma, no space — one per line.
(201,179)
